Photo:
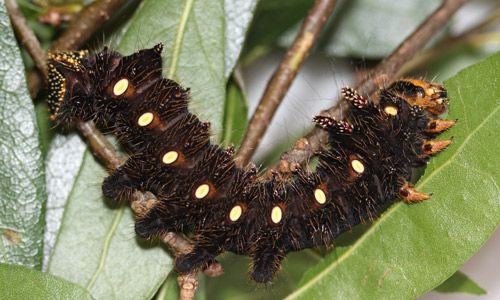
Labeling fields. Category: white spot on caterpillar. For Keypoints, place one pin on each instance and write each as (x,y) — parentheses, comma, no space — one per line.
(202,191)
(357,166)
(170,157)
(276,214)
(320,196)
(145,119)
(120,87)
(235,213)
(391,110)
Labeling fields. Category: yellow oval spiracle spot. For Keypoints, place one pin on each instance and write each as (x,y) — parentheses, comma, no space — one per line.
(145,119)
(170,157)
(235,213)
(276,214)
(357,166)
(120,87)
(320,196)
(202,191)
(391,110)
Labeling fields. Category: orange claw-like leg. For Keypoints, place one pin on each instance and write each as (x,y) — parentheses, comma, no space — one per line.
(438,125)
(410,194)
(433,147)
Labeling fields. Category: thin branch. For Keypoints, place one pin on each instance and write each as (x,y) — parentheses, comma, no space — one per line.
(283,77)
(383,74)
(100,145)
(27,37)
(86,23)
(188,285)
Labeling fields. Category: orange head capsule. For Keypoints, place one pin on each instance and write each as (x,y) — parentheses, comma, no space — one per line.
(430,96)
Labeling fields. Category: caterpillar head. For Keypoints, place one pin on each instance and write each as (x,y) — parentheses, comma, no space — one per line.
(86,86)
(430,96)
(68,84)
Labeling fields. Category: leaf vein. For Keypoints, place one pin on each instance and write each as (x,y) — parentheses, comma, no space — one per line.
(105,249)
(179,37)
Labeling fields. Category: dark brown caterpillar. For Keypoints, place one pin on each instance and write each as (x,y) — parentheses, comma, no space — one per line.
(200,191)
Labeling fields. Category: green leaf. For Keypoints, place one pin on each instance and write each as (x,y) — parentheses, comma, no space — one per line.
(22,181)
(235,115)
(96,246)
(17,282)
(460,283)
(193,33)
(411,249)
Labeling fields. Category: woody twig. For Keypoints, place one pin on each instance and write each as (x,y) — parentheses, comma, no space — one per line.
(283,77)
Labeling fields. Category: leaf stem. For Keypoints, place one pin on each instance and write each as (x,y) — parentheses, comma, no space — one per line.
(27,37)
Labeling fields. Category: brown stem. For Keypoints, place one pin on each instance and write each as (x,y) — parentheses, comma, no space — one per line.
(35,82)
(100,145)
(188,285)
(27,37)
(283,77)
(86,23)
(384,73)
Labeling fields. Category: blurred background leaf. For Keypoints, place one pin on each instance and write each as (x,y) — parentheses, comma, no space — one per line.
(235,115)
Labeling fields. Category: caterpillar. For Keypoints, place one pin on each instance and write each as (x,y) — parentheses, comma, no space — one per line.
(199,190)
